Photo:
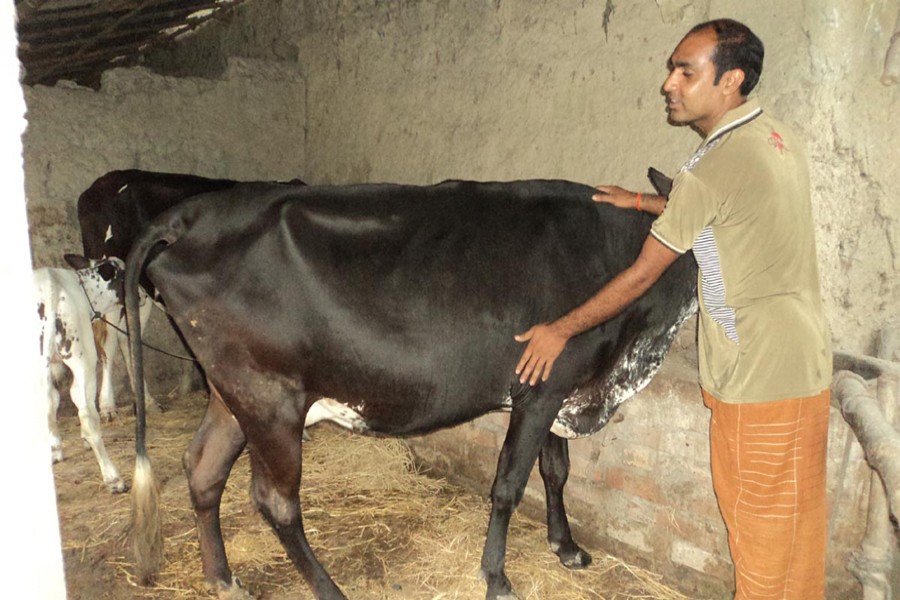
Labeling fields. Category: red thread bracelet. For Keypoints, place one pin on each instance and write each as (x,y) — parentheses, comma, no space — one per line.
(637,202)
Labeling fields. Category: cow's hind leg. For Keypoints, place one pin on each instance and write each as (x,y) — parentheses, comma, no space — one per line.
(276,460)
(207,464)
(52,395)
(530,421)
(84,393)
(554,467)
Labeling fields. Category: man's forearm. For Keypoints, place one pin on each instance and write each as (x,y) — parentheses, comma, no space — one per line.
(612,299)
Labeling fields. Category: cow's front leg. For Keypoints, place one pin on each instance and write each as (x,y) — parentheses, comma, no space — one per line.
(106,345)
(207,464)
(529,424)
(554,467)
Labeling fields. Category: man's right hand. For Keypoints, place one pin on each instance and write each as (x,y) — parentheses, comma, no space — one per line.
(545,344)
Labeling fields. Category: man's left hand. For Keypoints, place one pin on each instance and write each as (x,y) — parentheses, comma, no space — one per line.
(545,344)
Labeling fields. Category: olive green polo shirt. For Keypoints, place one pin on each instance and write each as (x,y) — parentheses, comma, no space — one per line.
(742,204)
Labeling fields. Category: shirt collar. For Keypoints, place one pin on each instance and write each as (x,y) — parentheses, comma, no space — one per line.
(733,119)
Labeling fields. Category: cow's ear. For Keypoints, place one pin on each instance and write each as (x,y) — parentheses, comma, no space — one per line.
(76,261)
(661,183)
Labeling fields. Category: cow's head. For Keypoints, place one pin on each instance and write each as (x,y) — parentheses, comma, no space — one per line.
(103,281)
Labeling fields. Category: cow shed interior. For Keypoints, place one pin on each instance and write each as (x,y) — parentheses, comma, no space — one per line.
(420,91)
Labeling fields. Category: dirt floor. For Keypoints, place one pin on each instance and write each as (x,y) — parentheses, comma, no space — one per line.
(382,530)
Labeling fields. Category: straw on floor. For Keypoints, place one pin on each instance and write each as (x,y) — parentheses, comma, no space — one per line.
(382,530)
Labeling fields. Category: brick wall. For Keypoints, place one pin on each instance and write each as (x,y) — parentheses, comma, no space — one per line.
(640,488)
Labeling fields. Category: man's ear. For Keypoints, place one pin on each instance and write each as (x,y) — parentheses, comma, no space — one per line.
(731,81)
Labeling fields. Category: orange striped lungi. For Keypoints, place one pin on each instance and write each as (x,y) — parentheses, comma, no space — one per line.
(768,470)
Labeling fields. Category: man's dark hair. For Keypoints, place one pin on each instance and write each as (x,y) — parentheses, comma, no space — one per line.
(736,48)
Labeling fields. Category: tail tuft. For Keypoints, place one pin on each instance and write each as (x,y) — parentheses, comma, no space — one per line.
(146,525)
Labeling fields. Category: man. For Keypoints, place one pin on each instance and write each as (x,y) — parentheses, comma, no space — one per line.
(742,204)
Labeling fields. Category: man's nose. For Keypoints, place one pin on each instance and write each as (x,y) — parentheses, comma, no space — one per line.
(669,84)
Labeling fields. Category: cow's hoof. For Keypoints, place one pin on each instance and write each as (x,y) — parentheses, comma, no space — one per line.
(116,486)
(498,587)
(574,558)
(153,406)
(571,556)
(579,560)
(57,455)
(233,591)
(108,415)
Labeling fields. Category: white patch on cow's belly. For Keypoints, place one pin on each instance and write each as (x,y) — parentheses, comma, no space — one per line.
(632,373)
(108,234)
(563,431)
(328,409)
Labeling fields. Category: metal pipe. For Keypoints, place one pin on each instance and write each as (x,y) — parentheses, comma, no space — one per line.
(872,563)
(879,439)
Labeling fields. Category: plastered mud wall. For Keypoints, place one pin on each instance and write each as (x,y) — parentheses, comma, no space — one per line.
(245,123)
(419,91)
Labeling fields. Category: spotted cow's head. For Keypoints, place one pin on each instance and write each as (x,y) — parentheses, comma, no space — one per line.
(103,281)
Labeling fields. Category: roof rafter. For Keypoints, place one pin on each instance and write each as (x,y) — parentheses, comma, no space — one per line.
(79,39)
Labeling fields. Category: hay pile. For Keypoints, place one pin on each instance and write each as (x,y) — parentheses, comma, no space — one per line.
(382,530)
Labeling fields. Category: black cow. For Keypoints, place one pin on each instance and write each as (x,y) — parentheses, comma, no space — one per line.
(118,205)
(400,303)
(111,213)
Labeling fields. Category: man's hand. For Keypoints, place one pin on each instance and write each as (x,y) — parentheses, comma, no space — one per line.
(545,344)
(613,194)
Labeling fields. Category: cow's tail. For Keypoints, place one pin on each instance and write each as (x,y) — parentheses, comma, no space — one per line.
(146,525)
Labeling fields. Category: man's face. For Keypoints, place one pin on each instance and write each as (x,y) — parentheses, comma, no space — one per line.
(691,96)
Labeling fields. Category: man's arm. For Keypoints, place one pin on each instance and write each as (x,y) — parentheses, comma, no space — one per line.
(546,341)
(622,198)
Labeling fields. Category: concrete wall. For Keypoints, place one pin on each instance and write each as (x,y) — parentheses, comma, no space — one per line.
(418,91)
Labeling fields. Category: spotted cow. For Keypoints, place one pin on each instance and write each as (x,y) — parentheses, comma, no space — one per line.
(67,302)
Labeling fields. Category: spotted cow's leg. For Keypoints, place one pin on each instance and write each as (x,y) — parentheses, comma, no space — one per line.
(554,467)
(530,421)
(50,392)
(207,464)
(276,461)
(105,336)
(84,393)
